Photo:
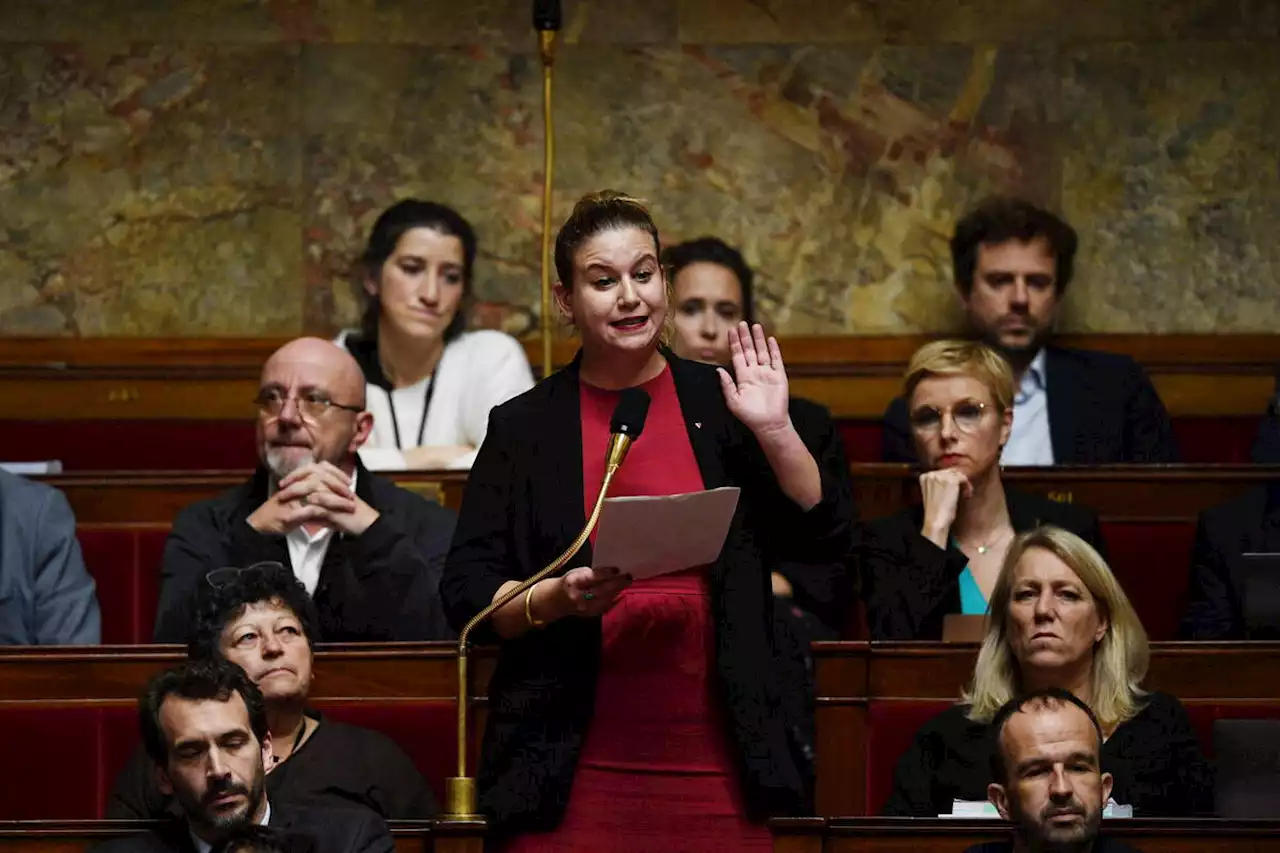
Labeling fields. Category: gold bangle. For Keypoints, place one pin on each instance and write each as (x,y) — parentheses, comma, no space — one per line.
(528,612)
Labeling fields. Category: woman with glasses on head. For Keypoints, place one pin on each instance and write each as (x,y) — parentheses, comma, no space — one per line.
(261,619)
(431,383)
(943,556)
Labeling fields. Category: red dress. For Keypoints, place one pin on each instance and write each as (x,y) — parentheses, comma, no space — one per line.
(655,772)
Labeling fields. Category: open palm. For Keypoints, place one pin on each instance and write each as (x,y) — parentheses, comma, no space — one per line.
(757,392)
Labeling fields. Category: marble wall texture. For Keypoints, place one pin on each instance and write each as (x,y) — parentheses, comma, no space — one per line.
(210,167)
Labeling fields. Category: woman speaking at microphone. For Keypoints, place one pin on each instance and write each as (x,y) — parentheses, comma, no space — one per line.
(635,715)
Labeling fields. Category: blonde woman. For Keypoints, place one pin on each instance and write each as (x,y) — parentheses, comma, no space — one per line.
(944,555)
(1060,619)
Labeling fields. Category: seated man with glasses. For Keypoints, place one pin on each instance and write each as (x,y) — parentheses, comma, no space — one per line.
(943,556)
(368,552)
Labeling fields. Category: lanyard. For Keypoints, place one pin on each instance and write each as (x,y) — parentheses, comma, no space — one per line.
(426,407)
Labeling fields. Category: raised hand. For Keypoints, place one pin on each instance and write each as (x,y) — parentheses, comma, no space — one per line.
(756,392)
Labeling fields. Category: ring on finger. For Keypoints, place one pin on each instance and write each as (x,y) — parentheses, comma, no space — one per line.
(304,500)
(588,596)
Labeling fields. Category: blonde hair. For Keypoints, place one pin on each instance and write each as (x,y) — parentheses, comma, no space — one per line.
(1120,658)
(961,358)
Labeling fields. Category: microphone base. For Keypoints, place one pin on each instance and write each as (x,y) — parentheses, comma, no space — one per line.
(460,798)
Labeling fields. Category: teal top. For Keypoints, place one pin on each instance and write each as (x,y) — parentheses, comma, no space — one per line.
(972,602)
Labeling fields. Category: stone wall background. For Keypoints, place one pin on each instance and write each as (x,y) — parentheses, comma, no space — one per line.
(210,167)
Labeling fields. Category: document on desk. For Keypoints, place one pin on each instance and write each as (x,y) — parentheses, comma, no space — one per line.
(650,536)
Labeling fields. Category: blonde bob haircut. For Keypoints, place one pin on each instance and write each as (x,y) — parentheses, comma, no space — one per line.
(961,358)
(1119,659)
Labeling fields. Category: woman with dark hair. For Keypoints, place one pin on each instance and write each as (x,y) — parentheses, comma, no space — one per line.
(636,716)
(431,383)
(261,619)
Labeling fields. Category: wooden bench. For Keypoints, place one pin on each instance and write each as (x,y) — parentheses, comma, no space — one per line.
(915,835)
(147,403)
(872,697)
(80,836)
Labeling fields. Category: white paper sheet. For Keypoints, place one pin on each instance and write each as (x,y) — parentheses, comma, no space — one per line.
(647,536)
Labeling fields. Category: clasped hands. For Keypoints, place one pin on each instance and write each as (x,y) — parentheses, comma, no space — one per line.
(318,493)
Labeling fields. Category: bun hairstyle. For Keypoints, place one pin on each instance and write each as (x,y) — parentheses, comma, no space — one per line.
(596,213)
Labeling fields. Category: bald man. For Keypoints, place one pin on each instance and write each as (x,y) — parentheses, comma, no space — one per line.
(369,552)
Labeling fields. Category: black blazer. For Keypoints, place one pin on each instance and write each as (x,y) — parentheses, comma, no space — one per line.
(1103,410)
(824,587)
(1266,447)
(330,830)
(524,505)
(378,587)
(1154,757)
(910,584)
(1248,523)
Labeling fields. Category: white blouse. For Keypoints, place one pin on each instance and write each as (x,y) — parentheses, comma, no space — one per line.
(477,371)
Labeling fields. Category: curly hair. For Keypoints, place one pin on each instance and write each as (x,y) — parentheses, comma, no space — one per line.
(219,603)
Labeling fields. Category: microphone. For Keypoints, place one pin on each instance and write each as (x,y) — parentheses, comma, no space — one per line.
(546,15)
(624,428)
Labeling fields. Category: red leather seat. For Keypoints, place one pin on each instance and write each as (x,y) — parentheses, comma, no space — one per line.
(891,727)
(124,560)
(1152,560)
(114,445)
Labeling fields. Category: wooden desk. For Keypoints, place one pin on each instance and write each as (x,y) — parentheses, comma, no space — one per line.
(361,672)
(155,497)
(849,676)
(80,836)
(1118,493)
(908,835)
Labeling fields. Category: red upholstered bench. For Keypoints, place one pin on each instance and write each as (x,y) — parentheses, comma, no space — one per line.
(1152,560)
(115,445)
(70,755)
(891,727)
(61,761)
(1204,712)
(124,560)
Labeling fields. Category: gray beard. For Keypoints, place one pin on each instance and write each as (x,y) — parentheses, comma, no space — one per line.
(281,464)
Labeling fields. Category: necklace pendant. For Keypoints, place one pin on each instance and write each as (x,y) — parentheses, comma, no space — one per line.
(982,549)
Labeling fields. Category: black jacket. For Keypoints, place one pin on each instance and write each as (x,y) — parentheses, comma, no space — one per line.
(339,765)
(1154,757)
(524,505)
(1266,447)
(1103,410)
(378,587)
(824,587)
(910,584)
(330,830)
(1249,523)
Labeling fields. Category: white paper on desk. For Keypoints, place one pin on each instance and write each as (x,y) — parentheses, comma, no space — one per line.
(650,536)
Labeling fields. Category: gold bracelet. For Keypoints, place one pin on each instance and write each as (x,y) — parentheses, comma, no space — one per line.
(528,612)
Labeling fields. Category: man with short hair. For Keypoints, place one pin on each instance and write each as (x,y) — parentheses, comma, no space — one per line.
(205,729)
(1048,777)
(1012,263)
(369,553)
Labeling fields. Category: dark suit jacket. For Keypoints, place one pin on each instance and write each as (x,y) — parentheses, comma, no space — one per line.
(1266,447)
(378,587)
(524,505)
(823,588)
(1103,410)
(1248,523)
(333,830)
(910,584)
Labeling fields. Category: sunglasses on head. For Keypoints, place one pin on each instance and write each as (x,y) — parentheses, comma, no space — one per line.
(218,578)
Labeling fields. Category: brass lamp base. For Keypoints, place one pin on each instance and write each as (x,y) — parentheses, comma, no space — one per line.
(460,798)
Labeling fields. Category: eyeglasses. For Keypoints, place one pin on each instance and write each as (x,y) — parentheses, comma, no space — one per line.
(312,405)
(218,578)
(966,417)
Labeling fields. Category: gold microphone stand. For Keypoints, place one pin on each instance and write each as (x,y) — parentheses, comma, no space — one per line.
(460,790)
(547,39)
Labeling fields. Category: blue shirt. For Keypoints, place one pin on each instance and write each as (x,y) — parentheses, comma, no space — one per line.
(972,601)
(1030,442)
